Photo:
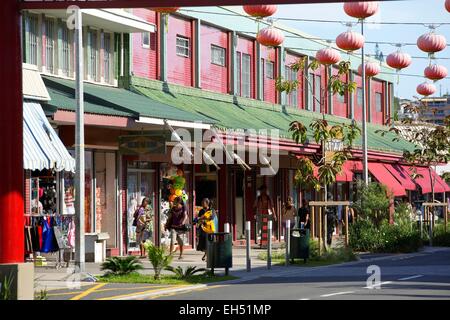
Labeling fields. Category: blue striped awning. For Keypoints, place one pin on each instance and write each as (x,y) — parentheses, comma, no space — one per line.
(42,148)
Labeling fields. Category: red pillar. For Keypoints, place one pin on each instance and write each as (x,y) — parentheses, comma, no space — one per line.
(11,144)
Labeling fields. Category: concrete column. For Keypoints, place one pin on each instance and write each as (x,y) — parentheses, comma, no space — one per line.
(369,99)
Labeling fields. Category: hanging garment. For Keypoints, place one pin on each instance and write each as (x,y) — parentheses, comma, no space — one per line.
(28,240)
(35,236)
(48,238)
(71,234)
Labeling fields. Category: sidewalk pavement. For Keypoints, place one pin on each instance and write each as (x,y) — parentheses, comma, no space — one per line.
(50,278)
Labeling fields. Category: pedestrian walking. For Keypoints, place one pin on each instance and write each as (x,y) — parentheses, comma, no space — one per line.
(263,207)
(144,224)
(303,215)
(288,213)
(205,225)
(177,225)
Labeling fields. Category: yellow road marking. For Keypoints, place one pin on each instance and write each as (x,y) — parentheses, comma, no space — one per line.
(138,293)
(103,290)
(182,292)
(88,291)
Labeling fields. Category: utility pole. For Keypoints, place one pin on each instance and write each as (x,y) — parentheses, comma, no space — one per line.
(79,145)
(364,112)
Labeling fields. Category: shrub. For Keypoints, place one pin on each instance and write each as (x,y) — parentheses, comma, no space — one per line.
(158,258)
(387,238)
(440,237)
(185,273)
(121,265)
(372,202)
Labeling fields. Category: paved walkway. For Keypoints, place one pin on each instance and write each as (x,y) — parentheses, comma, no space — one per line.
(50,278)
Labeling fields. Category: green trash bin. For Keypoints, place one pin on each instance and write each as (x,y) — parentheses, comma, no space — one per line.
(299,244)
(219,251)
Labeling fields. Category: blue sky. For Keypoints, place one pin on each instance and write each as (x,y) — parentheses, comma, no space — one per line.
(401,11)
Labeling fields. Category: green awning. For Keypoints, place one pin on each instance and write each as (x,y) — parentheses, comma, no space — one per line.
(113,101)
(239,113)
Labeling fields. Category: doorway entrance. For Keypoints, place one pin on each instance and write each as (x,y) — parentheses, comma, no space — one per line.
(140,185)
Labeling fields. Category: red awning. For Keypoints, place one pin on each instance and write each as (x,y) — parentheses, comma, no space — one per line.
(354,165)
(346,175)
(379,171)
(402,174)
(425,181)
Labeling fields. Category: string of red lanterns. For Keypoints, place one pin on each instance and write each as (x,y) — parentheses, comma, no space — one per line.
(260,11)
(372,69)
(328,56)
(350,41)
(426,89)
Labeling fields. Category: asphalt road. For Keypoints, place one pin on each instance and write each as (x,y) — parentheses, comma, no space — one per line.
(421,276)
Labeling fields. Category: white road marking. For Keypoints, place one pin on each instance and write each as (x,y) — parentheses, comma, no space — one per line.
(304,299)
(410,278)
(337,294)
(378,285)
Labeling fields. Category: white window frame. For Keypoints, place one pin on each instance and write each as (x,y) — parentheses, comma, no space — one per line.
(185,47)
(29,20)
(359,98)
(54,46)
(246,90)
(291,98)
(317,92)
(270,69)
(110,70)
(378,102)
(89,54)
(61,52)
(222,55)
(145,45)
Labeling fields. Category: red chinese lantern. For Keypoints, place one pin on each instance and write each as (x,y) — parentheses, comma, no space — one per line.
(166,10)
(426,89)
(261,11)
(399,60)
(361,9)
(350,41)
(447,5)
(270,37)
(372,69)
(431,42)
(328,56)
(436,72)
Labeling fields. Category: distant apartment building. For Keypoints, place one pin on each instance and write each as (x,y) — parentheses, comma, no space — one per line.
(437,109)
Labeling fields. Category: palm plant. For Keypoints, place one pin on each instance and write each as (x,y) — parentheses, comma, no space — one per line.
(158,258)
(6,288)
(121,265)
(185,273)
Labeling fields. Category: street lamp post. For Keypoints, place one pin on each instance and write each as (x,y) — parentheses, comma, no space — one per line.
(364,112)
(79,145)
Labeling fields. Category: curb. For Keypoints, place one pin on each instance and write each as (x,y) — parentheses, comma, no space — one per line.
(162,292)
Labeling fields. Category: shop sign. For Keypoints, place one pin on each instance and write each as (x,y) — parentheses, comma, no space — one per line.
(331,147)
(151,143)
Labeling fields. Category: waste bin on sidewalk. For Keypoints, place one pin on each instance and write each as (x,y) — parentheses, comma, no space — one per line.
(299,244)
(219,251)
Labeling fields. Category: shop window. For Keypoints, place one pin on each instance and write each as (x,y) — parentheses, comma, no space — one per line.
(218,55)
(340,98)
(310,91)
(183,46)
